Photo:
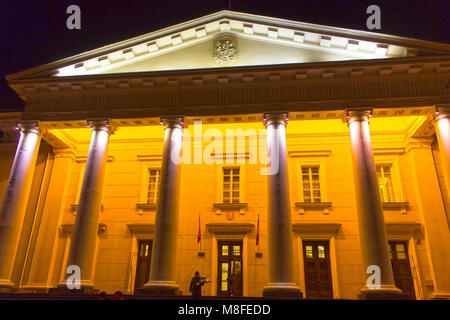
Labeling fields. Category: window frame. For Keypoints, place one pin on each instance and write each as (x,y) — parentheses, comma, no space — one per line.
(322,179)
(397,188)
(220,183)
(145,183)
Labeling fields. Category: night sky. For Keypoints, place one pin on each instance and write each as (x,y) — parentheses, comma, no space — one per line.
(34,32)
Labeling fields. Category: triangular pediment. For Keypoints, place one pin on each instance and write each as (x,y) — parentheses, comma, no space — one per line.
(237,39)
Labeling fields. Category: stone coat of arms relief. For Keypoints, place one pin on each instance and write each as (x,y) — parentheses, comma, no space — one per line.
(225,52)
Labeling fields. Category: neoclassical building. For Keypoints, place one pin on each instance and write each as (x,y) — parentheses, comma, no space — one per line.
(278,158)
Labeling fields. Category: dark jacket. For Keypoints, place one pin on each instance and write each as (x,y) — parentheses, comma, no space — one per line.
(196,286)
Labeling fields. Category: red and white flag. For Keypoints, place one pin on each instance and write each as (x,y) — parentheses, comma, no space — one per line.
(199,236)
(257,233)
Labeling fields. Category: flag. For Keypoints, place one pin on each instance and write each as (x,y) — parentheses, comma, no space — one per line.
(199,236)
(257,233)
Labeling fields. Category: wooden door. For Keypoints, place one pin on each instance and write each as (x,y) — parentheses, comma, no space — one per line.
(317,270)
(398,251)
(143,263)
(229,273)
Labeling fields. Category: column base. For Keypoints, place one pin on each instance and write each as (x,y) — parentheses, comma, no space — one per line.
(86,287)
(35,288)
(6,286)
(440,296)
(282,290)
(160,288)
(386,292)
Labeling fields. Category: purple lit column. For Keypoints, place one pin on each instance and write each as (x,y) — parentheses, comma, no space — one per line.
(83,244)
(372,231)
(279,226)
(162,272)
(15,200)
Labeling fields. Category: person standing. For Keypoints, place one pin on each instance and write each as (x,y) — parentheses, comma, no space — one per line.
(197,283)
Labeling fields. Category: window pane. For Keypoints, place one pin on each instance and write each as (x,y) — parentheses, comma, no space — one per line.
(236,250)
(311,183)
(225,250)
(385,183)
(309,251)
(321,251)
(231,185)
(400,248)
(237,267)
(153,185)
(224,272)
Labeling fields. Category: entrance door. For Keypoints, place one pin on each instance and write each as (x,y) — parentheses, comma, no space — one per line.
(317,270)
(398,251)
(143,263)
(229,275)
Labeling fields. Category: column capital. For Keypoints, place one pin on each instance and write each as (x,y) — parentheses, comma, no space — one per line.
(358,115)
(100,125)
(442,111)
(172,122)
(28,126)
(280,118)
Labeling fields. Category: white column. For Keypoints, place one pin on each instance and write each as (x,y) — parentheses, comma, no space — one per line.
(372,231)
(279,226)
(16,198)
(83,244)
(442,126)
(162,271)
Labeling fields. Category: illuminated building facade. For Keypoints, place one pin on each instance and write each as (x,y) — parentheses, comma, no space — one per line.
(277,158)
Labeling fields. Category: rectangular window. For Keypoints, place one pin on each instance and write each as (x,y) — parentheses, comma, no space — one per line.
(311,184)
(384,178)
(154,176)
(231,184)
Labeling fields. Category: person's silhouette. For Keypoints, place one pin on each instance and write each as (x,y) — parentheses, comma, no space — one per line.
(197,283)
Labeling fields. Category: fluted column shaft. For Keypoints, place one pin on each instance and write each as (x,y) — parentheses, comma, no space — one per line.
(84,237)
(281,267)
(15,200)
(162,271)
(374,246)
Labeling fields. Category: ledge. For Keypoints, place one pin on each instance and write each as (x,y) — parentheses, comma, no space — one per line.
(141,228)
(310,153)
(230,206)
(327,229)
(146,206)
(74,208)
(84,158)
(230,227)
(324,206)
(402,206)
(67,228)
(405,229)
(149,157)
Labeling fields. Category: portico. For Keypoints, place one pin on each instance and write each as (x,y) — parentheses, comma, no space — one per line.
(352,140)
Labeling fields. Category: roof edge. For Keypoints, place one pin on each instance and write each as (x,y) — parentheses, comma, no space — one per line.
(223,14)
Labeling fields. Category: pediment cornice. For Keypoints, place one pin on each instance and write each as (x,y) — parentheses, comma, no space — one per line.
(364,45)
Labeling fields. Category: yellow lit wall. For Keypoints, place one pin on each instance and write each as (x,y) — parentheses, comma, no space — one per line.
(316,141)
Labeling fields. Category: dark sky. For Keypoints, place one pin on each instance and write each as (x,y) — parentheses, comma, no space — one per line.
(33,32)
